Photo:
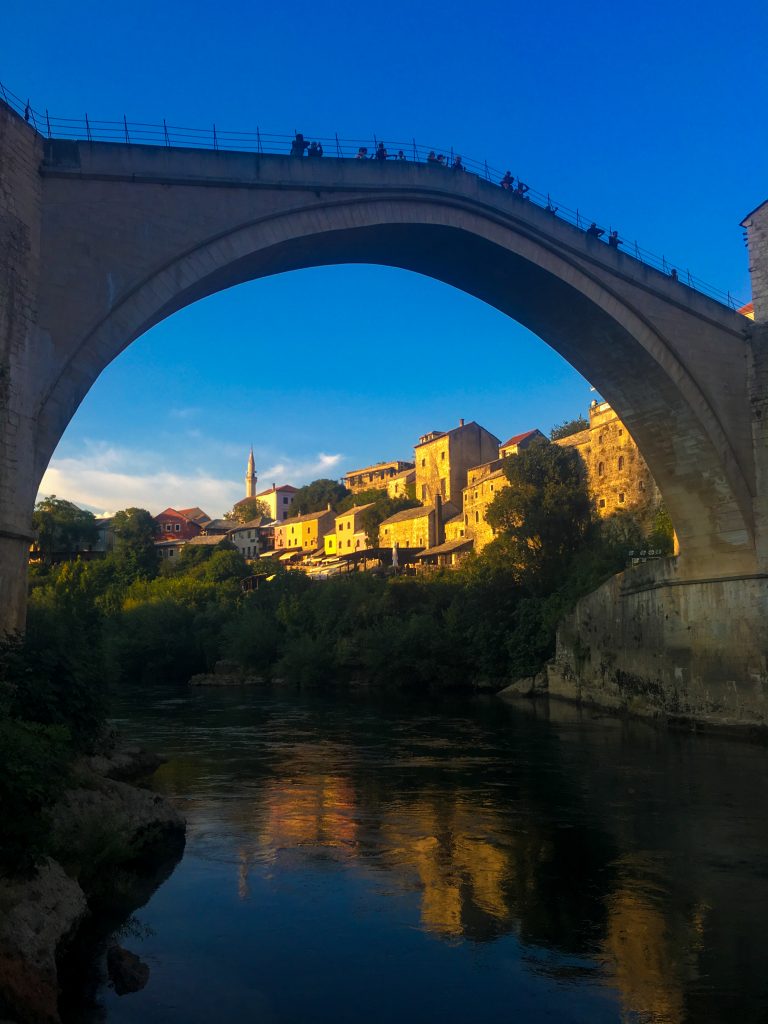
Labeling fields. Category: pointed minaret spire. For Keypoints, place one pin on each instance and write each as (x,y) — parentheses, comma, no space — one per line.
(250,477)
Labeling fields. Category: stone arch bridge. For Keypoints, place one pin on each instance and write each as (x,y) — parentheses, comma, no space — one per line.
(100,241)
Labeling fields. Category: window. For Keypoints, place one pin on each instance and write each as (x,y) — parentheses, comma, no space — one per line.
(621,497)
(601,503)
(600,468)
(621,463)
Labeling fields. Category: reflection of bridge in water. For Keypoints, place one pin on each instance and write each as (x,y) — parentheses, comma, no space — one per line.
(103,240)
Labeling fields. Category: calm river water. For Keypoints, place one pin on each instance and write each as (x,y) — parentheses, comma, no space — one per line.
(356,858)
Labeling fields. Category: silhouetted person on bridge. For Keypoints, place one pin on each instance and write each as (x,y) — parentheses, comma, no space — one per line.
(594,231)
(613,240)
(507,181)
(298,145)
(381,153)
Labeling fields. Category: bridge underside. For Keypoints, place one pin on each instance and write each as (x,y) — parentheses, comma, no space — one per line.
(107,240)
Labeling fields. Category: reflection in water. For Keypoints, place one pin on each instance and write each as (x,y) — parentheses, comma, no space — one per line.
(611,867)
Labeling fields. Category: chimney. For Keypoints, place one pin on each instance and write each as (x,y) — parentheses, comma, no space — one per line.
(461,422)
(439,525)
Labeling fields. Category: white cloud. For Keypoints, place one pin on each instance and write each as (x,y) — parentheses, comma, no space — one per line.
(105,478)
(184,412)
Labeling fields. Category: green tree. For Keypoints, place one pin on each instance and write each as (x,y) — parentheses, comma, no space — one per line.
(134,530)
(568,427)
(247,509)
(546,513)
(318,495)
(62,528)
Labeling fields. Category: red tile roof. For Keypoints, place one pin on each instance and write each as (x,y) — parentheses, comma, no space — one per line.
(518,438)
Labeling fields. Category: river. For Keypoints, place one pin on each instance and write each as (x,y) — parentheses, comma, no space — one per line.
(355,857)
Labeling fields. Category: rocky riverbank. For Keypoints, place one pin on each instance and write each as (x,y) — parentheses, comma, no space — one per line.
(105,827)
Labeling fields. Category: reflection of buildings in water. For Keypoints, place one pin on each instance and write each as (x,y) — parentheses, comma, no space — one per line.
(457,856)
(651,958)
(312,810)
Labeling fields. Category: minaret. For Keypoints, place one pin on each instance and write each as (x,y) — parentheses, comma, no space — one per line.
(250,477)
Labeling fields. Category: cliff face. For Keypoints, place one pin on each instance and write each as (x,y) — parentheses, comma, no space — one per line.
(99,826)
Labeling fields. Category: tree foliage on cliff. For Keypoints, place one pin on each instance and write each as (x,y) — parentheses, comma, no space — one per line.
(317,496)
(546,513)
(62,528)
(247,509)
(568,427)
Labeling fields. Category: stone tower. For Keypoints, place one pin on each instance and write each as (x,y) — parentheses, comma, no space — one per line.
(250,477)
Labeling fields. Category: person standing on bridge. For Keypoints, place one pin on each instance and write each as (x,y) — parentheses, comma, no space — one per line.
(594,231)
(298,145)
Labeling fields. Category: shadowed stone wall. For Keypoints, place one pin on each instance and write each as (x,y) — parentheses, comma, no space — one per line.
(21,152)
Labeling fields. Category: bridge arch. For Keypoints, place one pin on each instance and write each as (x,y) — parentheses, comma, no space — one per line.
(564,296)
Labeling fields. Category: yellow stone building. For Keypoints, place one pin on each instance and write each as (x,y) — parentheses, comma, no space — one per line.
(411,528)
(444,458)
(306,532)
(483,484)
(350,535)
(376,476)
(617,474)
(399,484)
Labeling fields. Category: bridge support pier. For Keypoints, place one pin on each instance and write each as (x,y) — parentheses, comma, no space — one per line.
(652,644)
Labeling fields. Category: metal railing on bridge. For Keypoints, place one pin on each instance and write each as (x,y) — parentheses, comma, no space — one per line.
(257,141)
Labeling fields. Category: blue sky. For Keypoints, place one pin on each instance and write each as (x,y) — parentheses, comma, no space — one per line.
(651,118)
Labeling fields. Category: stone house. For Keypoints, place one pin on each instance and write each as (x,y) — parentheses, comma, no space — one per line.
(277,499)
(411,528)
(172,524)
(252,538)
(617,474)
(483,484)
(400,483)
(375,477)
(443,459)
(520,442)
(305,533)
(350,535)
